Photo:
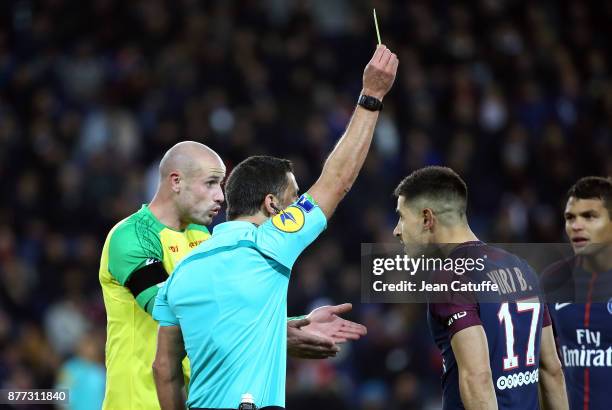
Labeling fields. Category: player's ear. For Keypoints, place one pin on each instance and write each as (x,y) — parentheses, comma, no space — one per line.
(429,219)
(175,181)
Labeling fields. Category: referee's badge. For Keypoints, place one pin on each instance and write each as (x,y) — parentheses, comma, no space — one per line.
(305,202)
(289,220)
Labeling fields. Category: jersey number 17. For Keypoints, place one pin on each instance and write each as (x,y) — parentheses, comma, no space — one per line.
(511,360)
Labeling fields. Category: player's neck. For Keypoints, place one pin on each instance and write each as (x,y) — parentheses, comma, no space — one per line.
(164,211)
(599,261)
(455,235)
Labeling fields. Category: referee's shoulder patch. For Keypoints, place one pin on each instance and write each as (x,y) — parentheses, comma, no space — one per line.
(306,202)
(290,220)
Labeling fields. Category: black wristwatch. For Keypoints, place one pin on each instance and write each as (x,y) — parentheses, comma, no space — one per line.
(370,103)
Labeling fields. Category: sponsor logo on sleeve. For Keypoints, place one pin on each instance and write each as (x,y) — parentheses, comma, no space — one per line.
(610,306)
(306,203)
(456,316)
(289,220)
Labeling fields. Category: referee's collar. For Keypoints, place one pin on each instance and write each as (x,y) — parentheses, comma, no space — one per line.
(233,225)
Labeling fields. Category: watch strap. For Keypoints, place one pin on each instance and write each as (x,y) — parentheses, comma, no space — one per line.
(370,103)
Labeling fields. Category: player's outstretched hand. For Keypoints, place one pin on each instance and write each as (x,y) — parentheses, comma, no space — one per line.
(307,345)
(324,321)
(380,72)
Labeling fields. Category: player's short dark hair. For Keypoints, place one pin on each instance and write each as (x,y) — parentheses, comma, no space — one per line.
(593,187)
(434,183)
(253,179)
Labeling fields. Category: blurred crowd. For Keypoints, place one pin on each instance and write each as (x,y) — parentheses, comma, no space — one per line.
(516,96)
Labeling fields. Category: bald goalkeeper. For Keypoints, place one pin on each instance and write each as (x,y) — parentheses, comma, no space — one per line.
(143,249)
(238,279)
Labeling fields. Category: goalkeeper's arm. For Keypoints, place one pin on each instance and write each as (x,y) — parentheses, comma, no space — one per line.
(144,283)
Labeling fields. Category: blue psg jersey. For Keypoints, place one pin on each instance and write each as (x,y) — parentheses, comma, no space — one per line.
(584,334)
(512,319)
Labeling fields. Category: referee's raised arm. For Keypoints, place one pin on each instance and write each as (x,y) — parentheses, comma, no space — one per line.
(346,159)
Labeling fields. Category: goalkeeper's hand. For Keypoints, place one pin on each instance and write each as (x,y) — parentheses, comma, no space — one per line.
(307,345)
(325,321)
(316,336)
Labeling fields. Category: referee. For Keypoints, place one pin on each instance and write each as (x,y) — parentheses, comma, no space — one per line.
(225,304)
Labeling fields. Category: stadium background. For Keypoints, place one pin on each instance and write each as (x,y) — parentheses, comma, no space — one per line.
(515,96)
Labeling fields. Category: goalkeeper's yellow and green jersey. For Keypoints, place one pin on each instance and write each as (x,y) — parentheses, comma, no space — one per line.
(133,245)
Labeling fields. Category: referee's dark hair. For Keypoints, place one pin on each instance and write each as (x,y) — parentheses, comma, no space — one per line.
(253,179)
(593,187)
(439,188)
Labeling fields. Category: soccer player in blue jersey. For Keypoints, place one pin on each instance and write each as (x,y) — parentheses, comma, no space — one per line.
(225,304)
(496,353)
(584,330)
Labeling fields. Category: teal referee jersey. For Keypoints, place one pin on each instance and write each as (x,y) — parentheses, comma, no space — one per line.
(230,299)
